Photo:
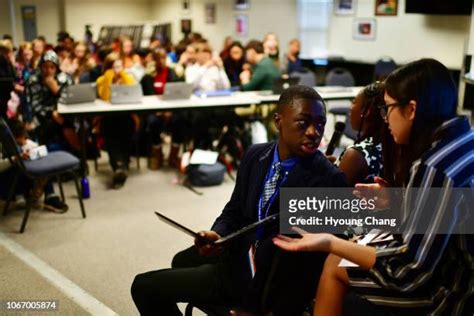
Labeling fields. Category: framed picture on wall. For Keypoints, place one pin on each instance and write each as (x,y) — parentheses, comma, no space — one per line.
(241,4)
(210,13)
(186,26)
(386,7)
(241,25)
(364,29)
(344,7)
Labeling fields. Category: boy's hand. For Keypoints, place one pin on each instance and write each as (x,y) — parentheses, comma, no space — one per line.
(205,243)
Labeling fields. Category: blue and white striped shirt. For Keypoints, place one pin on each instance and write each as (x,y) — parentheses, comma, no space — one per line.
(436,275)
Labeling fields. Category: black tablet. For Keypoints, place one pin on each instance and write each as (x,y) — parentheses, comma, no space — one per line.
(225,239)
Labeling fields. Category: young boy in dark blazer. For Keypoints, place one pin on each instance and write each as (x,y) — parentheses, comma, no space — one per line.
(251,274)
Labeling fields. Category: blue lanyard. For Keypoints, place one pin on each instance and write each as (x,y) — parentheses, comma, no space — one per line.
(270,202)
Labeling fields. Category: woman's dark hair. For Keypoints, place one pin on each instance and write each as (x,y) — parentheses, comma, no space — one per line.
(234,44)
(430,85)
(372,98)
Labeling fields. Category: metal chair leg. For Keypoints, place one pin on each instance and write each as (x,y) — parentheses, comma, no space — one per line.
(61,189)
(11,194)
(137,152)
(27,214)
(79,195)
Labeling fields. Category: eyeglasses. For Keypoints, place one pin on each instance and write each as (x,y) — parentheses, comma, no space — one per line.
(385,109)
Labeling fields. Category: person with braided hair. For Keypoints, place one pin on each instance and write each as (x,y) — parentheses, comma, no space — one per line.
(362,161)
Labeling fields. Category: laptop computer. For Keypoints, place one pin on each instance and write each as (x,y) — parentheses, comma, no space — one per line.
(126,94)
(78,93)
(177,90)
(281,84)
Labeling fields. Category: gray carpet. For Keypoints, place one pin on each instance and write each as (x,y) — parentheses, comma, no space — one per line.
(120,237)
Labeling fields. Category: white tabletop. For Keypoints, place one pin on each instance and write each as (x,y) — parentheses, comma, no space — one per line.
(327,93)
(155,103)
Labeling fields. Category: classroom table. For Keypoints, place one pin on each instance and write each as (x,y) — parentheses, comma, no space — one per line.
(156,103)
(236,99)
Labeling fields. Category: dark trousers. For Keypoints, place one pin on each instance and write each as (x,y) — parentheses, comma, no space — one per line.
(177,126)
(118,133)
(285,283)
(192,278)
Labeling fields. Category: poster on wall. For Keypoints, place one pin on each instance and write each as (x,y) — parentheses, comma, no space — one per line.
(241,25)
(241,4)
(210,13)
(344,7)
(364,29)
(386,7)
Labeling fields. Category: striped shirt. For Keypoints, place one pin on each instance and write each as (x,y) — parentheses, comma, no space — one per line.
(435,276)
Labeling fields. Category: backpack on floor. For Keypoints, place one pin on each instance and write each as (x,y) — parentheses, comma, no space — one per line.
(203,175)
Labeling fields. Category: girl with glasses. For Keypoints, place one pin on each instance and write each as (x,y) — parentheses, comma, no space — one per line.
(422,271)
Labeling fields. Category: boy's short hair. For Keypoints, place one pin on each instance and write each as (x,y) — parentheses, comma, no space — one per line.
(298,92)
(257,46)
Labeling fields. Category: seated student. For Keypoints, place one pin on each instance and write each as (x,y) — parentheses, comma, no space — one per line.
(186,59)
(96,71)
(43,89)
(24,65)
(7,71)
(208,72)
(155,83)
(25,186)
(362,161)
(130,60)
(264,72)
(291,61)
(224,53)
(118,129)
(234,63)
(39,47)
(83,63)
(271,47)
(226,276)
(424,271)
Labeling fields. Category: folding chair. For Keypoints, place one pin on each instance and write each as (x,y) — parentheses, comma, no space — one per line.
(54,164)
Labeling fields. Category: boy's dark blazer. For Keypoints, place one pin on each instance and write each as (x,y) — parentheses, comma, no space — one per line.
(301,269)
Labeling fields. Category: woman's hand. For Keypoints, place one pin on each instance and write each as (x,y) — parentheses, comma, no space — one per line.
(376,191)
(309,242)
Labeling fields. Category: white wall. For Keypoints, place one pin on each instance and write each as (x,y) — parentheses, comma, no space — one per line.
(5,22)
(47,17)
(404,37)
(264,16)
(78,13)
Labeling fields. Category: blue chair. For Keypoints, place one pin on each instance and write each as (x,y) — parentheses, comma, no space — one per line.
(54,164)
(307,77)
(342,77)
(384,67)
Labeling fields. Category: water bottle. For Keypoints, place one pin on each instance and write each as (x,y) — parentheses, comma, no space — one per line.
(86,193)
